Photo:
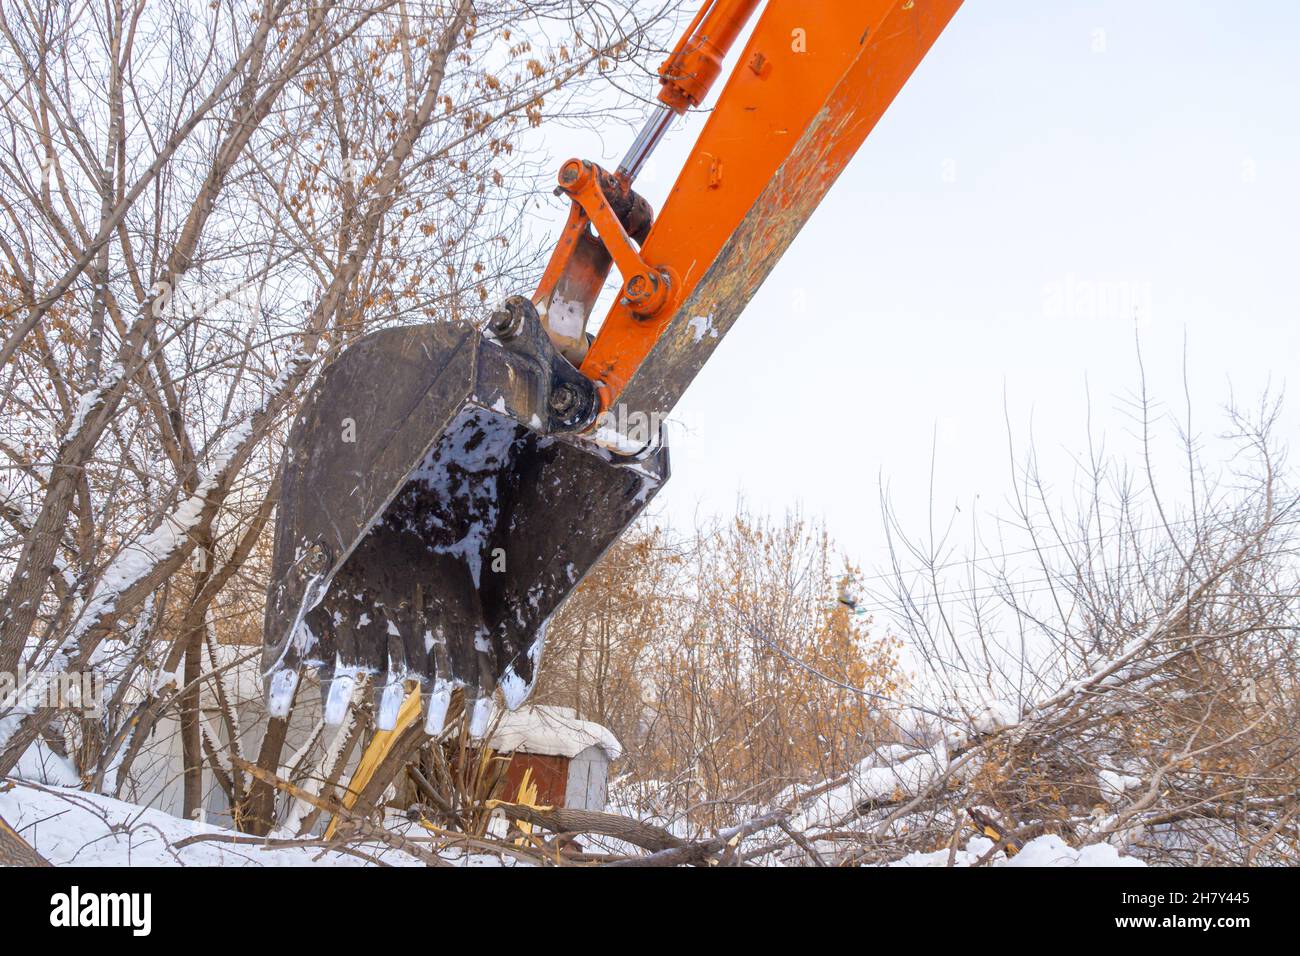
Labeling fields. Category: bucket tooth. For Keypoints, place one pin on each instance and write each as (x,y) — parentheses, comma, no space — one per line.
(388,702)
(279,698)
(480,716)
(337,693)
(435,708)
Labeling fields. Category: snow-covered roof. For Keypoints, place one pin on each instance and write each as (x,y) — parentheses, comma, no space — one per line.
(552,731)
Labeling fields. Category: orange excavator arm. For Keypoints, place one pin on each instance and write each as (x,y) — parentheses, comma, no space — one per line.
(485,470)
(811,83)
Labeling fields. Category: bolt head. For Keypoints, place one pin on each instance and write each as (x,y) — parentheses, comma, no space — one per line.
(646,293)
(563,399)
(570,172)
(507,322)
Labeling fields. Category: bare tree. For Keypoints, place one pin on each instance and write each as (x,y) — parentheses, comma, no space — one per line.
(203,203)
(1120,668)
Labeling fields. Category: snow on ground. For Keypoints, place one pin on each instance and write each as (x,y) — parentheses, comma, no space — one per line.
(40,764)
(1049,850)
(73,828)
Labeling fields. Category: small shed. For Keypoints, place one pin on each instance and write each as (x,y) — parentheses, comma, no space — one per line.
(569,758)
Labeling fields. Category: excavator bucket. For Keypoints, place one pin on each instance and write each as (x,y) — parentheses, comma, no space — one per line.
(437,505)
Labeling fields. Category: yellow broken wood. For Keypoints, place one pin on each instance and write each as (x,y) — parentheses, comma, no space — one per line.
(375,752)
(527,796)
(983,823)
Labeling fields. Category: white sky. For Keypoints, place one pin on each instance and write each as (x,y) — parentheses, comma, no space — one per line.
(1145,152)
